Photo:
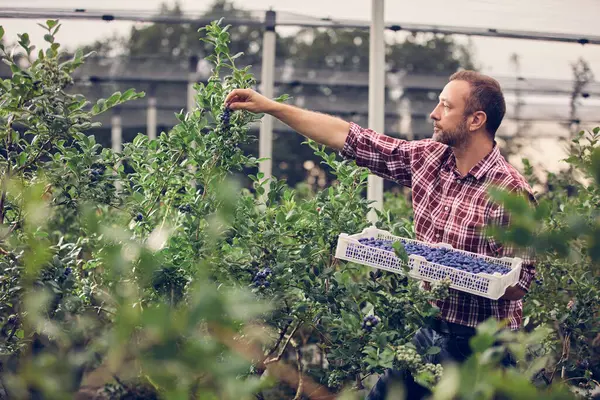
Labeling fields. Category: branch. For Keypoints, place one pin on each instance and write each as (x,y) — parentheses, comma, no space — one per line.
(10,230)
(34,159)
(298,349)
(272,360)
(582,378)
(281,336)
(3,197)
(281,371)
(166,182)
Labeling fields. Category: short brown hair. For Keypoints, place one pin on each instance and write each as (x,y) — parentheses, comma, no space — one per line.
(486,95)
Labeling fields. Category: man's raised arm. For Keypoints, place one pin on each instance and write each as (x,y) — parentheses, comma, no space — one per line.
(321,128)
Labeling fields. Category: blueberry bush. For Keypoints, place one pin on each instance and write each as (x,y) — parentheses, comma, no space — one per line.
(152,273)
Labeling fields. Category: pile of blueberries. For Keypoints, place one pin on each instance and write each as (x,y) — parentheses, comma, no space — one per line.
(441,256)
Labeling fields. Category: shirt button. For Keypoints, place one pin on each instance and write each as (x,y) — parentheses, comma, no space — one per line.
(437,235)
(458,181)
(446,208)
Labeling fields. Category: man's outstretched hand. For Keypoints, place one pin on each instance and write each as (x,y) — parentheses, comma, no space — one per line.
(250,100)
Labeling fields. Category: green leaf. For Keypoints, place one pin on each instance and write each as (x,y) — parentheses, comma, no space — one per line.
(113,100)
(51,23)
(433,350)
(49,38)
(595,159)
(482,342)
(129,93)
(1,32)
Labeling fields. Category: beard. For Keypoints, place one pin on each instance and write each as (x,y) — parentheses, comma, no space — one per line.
(452,137)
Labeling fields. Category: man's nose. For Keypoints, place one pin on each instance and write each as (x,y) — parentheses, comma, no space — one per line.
(433,115)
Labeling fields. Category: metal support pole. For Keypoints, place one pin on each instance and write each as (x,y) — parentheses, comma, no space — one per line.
(151,119)
(265,145)
(376,97)
(192,78)
(116,136)
(191,103)
(406,127)
(116,139)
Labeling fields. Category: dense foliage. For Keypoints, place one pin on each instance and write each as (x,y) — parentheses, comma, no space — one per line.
(152,273)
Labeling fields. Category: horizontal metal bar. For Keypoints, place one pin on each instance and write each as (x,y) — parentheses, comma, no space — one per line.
(150,16)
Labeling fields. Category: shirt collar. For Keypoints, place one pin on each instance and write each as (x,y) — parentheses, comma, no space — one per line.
(479,169)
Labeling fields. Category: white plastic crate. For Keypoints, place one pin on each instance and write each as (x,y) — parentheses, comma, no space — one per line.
(482,284)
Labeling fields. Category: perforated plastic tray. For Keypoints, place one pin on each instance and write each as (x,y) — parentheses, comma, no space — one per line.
(481,284)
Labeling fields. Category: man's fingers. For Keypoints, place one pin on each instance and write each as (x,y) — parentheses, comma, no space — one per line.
(238,105)
(237,95)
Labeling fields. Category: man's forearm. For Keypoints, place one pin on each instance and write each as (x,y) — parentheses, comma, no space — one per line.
(322,128)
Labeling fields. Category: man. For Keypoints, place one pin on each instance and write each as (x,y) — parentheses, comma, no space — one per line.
(450,175)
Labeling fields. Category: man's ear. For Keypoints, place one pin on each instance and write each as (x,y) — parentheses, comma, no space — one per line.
(478,120)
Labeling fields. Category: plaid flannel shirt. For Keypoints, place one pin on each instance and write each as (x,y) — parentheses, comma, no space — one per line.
(449,208)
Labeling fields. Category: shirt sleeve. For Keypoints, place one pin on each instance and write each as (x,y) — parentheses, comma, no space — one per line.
(501,217)
(383,155)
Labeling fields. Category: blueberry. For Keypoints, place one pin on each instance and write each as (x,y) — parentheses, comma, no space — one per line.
(185,208)
(139,217)
(370,322)
(225,117)
(68,271)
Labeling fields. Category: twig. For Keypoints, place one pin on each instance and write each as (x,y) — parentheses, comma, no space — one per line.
(281,371)
(10,230)
(116,378)
(34,159)
(300,376)
(3,197)
(281,336)
(582,377)
(166,182)
(287,342)
(359,382)
(103,309)
(566,339)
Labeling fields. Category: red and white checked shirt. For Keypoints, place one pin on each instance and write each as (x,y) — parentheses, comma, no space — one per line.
(449,208)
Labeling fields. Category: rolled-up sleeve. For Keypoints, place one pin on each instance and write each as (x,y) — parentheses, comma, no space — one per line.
(383,155)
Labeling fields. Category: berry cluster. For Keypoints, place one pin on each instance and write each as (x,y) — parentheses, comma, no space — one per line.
(408,358)
(434,369)
(370,322)
(441,256)
(95,174)
(260,279)
(186,208)
(226,116)
(441,289)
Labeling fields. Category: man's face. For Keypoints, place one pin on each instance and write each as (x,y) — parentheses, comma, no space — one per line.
(450,125)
